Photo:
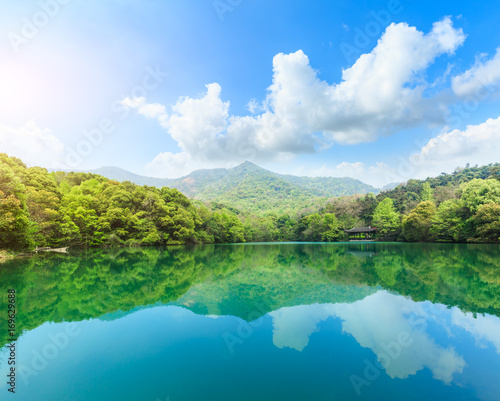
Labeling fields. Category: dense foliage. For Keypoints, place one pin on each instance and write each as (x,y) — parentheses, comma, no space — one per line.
(61,209)
(58,209)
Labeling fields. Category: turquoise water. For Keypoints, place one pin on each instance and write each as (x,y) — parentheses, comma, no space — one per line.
(258,322)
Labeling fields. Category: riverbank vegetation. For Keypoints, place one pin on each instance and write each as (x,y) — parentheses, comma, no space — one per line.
(38,208)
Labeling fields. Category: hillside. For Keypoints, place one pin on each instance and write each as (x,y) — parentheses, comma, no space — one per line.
(249,187)
(406,196)
(331,186)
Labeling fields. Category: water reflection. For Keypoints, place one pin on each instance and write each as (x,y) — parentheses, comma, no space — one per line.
(485,329)
(393,327)
(299,321)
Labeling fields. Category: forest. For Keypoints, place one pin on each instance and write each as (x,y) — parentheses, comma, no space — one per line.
(59,209)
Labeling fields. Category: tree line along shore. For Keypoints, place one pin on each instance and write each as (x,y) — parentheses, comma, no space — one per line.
(59,209)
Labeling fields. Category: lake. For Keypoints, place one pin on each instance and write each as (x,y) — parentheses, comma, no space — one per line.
(300,321)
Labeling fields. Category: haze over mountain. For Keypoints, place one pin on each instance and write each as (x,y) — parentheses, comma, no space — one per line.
(248,186)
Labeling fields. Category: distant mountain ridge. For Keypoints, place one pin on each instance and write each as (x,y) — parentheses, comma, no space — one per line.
(119,174)
(248,186)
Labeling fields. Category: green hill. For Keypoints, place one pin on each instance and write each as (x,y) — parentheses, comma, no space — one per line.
(249,187)
(406,196)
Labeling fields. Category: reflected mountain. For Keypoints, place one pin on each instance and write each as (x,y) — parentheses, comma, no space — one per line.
(247,281)
(251,292)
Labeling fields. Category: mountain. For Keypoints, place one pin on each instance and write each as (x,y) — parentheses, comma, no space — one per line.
(251,292)
(119,174)
(331,186)
(390,186)
(248,187)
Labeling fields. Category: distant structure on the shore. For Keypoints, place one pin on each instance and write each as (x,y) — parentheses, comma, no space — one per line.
(361,233)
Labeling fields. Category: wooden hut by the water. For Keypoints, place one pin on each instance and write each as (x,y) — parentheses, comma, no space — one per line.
(361,233)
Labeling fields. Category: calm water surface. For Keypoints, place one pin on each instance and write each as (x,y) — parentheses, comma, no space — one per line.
(257,322)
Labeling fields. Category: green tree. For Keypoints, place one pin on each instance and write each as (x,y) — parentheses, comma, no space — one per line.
(314,224)
(386,219)
(487,223)
(225,227)
(417,224)
(16,229)
(426,193)
(331,230)
(480,192)
(448,222)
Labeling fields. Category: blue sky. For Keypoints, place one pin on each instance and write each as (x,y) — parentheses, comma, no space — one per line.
(382,91)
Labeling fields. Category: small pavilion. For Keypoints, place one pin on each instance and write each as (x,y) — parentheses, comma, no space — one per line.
(361,233)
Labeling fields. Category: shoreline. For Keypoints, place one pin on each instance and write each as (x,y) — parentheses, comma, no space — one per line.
(6,255)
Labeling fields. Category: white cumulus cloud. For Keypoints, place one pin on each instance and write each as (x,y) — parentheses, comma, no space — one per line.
(149,110)
(480,80)
(381,93)
(477,144)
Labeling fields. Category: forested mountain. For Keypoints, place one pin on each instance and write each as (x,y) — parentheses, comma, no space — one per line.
(331,186)
(248,187)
